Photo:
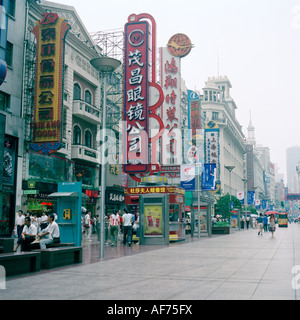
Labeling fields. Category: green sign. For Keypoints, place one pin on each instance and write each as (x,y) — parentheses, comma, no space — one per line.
(31,191)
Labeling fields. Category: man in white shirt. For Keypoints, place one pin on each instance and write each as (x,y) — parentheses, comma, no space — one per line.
(28,235)
(20,220)
(50,234)
(127,228)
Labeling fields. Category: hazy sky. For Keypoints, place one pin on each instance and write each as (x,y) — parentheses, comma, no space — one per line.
(258,43)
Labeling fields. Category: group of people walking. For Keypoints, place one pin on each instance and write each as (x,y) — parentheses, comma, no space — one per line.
(266,224)
(127,223)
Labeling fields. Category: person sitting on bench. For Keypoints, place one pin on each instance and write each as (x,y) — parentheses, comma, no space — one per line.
(50,234)
(27,236)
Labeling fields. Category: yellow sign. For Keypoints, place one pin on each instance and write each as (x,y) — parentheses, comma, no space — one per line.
(67,214)
(50,33)
(153,220)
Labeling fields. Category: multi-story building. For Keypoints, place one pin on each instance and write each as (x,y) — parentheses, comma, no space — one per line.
(219,107)
(11,113)
(292,160)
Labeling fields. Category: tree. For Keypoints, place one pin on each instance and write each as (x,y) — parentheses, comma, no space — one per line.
(223,206)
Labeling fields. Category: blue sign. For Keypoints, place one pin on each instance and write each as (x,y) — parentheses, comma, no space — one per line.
(209,176)
(250,197)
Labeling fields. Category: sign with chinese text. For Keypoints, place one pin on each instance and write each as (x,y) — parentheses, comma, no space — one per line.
(211,144)
(136,87)
(50,34)
(146,190)
(171,85)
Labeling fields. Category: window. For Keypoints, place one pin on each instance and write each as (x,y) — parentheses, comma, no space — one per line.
(9,54)
(4,101)
(88,97)
(88,139)
(76,92)
(215,115)
(12,7)
(76,135)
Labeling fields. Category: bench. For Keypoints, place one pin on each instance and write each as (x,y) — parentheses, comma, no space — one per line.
(60,256)
(6,245)
(53,245)
(19,263)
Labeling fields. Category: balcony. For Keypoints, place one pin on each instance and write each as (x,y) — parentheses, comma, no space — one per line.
(86,112)
(80,152)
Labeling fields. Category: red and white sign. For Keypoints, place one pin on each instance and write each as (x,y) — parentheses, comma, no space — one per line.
(136,92)
(171,85)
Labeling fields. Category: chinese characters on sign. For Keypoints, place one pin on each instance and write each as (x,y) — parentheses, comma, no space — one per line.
(170,79)
(212,144)
(50,33)
(136,153)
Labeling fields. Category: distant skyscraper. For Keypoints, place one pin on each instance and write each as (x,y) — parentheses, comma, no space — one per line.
(292,158)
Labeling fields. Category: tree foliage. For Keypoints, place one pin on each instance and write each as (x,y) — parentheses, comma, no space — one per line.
(223,206)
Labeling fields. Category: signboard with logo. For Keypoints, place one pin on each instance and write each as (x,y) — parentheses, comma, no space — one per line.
(136,54)
(50,34)
(171,85)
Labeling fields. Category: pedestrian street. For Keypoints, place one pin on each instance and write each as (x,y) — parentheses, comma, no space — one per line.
(238,266)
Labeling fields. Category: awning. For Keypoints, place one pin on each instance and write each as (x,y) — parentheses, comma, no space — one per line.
(66,194)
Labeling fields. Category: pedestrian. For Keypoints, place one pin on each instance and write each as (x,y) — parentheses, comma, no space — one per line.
(27,236)
(88,225)
(253,223)
(247,222)
(268,223)
(265,219)
(43,221)
(114,221)
(260,223)
(20,221)
(127,228)
(272,227)
(243,222)
(48,235)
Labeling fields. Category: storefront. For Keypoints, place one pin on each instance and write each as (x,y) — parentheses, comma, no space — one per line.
(43,174)
(8,193)
(114,199)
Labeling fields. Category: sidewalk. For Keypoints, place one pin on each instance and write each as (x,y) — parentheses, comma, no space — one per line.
(241,265)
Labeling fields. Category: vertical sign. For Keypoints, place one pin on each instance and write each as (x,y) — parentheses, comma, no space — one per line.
(211,144)
(171,85)
(136,87)
(50,33)
(209,176)
(187,177)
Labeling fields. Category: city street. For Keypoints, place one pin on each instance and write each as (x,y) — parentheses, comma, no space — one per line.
(241,265)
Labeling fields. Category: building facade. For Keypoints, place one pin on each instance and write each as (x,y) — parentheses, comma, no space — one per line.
(219,107)
(11,114)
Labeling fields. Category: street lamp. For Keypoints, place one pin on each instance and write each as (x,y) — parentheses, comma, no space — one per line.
(230,168)
(105,65)
(246,195)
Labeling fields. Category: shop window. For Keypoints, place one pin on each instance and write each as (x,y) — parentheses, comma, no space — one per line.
(174,212)
(88,139)
(88,97)
(76,92)
(76,135)
(49,168)
(87,175)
